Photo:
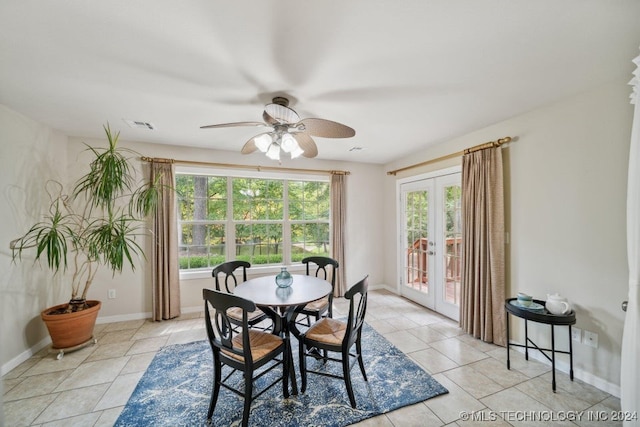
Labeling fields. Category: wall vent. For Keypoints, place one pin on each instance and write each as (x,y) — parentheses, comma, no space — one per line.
(140,125)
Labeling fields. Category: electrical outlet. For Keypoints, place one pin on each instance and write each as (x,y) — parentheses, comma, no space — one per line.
(576,334)
(590,339)
(112,293)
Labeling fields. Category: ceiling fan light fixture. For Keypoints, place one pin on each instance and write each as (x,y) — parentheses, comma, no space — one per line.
(297,152)
(274,151)
(289,143)
(263,142)
(288,132)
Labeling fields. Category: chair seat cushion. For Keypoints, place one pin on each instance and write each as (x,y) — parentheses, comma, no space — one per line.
(317,305)
(261,343)
(327,330)
(236,314)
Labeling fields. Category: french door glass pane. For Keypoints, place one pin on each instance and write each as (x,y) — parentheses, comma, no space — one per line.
(453,242)
(417,205)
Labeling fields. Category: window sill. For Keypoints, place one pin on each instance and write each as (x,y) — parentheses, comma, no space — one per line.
(251,272)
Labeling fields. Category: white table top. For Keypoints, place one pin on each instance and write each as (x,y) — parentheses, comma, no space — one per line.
(264,291)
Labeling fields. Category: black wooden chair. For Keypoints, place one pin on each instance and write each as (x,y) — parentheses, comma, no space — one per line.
(228,269)
(247,351)
(331,335)
(324,268)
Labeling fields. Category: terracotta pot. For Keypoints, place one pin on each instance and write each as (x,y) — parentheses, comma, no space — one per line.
(71,329)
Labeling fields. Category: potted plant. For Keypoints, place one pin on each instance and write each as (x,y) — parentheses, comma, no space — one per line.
(95,224)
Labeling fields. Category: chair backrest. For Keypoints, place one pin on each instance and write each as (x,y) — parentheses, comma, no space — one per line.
(323,265)
(219,326)
(357,296)
(228,269)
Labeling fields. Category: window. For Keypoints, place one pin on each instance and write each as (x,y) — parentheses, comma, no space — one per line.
(309,209)
(266,221)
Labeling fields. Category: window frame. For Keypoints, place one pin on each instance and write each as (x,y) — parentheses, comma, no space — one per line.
(230,222)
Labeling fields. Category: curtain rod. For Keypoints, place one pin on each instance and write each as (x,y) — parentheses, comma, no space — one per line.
(490,144)
(238,166)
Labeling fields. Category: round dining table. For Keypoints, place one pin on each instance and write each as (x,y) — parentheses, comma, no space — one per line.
(281,304)
(264,291)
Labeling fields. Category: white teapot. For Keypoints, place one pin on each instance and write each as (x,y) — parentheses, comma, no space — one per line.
(557,304)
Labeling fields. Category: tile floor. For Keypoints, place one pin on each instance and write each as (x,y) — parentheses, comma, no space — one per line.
(44,391)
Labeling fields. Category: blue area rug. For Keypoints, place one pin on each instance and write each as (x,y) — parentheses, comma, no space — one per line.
(176,388)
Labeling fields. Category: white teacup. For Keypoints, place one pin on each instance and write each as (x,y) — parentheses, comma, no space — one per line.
(524,299)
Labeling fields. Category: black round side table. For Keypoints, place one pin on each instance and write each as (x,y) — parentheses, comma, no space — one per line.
(540,316)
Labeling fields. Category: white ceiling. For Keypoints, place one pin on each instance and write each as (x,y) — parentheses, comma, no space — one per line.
(404,74)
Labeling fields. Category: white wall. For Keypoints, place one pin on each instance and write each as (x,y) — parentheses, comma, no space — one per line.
(30,154)
(565,211)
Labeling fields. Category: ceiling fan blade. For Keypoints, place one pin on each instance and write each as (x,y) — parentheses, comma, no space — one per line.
(307,144)
(280,114)
(249,147)
(325,128)
(236,124)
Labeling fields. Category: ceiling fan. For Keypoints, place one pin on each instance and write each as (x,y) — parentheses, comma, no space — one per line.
(288,132)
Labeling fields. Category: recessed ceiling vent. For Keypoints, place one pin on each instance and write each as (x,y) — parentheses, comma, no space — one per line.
(140,125)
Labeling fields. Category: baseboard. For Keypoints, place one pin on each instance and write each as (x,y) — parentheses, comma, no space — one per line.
(122,317)
(383,287)
(25,355)
(192,309)
(587,377)
(140,316)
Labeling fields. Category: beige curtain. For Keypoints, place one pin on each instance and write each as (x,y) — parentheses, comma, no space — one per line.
(338,229)
(483,277)
(165,270)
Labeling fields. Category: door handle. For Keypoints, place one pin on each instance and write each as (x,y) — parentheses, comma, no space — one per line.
(431,252)
(624,305)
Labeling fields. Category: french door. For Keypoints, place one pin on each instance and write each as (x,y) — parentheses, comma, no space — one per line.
(430,256)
